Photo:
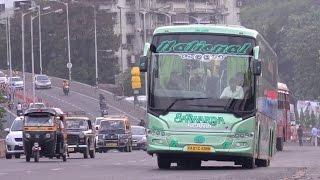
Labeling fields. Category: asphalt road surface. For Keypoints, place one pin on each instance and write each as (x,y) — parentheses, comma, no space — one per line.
(76,101)
(293,163)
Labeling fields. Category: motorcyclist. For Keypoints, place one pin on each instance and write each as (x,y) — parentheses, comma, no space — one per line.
(142,123)
(65,83)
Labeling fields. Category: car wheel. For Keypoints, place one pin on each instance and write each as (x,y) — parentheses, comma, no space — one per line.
(17,156)
(8,156)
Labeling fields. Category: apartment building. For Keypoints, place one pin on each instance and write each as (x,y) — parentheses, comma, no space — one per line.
(137,19)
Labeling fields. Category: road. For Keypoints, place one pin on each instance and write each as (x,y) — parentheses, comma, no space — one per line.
(293,163)
(79,101)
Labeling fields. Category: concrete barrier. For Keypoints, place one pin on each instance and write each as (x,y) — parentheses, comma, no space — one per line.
(2,148)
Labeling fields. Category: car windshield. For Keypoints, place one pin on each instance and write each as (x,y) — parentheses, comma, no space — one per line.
(42,78)
(78,124)
(210,71)
(39,119)
(14,79)
(112,127)
(138,131)
(17,125)
(37,106)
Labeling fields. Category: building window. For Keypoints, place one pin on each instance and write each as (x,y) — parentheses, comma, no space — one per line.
(130,18)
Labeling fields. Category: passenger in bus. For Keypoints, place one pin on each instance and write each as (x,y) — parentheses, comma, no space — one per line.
(232,91)
(176,81)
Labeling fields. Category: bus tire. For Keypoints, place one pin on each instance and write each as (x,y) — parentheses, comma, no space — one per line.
(262,162)
(163,163)
(249,163)
(279,144)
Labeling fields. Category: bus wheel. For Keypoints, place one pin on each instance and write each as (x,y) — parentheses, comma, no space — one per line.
(279,144)
(249,163)
(262,162)
(163,163)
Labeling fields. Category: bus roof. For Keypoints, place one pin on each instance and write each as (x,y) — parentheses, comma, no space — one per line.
(211,28)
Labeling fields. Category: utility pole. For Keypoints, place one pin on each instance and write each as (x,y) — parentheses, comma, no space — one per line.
(23,58)
(9,43)
(138,44)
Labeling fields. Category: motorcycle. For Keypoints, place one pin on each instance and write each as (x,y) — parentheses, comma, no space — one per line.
(66,90)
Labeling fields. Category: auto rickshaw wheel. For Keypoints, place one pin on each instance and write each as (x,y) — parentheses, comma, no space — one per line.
(92,153)
(86,153)
(36,156)
(64,158)
(27,158)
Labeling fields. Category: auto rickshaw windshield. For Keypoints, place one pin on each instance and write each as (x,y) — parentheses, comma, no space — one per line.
(39,120)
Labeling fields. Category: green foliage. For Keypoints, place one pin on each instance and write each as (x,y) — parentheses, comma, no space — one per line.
(54,43)
(292,29)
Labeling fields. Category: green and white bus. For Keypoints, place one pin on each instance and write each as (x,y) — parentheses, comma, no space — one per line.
(212,95)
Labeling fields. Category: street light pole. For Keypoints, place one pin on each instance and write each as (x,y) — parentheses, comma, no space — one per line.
(23,58)
(68,29)
(40,40)
(9,40)
(96,45)
(121,53)
(32,61)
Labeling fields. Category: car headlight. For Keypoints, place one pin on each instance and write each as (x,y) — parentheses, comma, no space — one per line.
(27,135)
(81,135)
(48,135)
(9,139)
(144,139)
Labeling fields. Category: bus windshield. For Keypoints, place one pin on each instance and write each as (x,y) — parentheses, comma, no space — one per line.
(207,78)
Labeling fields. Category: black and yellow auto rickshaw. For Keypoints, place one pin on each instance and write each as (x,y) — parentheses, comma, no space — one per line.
(44,135)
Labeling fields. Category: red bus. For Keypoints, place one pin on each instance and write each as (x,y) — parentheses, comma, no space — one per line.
(283,116)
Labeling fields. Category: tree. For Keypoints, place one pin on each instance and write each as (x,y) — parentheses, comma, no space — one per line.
(301,117)
(292,29)
(313,120)
(54,43)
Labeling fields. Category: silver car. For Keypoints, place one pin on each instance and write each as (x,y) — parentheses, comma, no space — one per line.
(42,82)
(14,144)
(16,82)
(139,137)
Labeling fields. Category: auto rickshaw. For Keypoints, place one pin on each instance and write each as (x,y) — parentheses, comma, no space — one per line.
(44,134)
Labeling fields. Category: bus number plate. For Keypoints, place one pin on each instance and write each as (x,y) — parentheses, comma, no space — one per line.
(197,148)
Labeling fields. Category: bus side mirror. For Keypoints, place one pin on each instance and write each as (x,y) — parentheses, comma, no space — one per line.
(257,65)
(143,64)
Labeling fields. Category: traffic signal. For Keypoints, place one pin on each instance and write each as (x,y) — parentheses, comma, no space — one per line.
(135,78)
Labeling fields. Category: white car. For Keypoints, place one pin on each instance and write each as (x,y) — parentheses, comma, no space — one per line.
(139,137)
(14,143)
(15,82)
(3,78)
(42,82)
(97,122)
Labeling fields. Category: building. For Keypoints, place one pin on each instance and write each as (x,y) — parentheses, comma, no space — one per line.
(137,19)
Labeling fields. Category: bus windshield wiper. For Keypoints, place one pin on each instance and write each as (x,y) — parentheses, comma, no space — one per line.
(175,101)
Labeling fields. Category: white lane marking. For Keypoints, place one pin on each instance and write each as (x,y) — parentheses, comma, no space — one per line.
(98,101)
(132,161)
(56,169)
(3,173)
(28,171)
(117,164)
(84,165)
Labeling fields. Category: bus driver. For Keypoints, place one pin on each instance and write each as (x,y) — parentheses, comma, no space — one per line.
(233,91)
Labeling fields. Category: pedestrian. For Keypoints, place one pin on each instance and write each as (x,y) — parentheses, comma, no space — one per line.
(142,123)
(19,109)
(300,135)
(314,133)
